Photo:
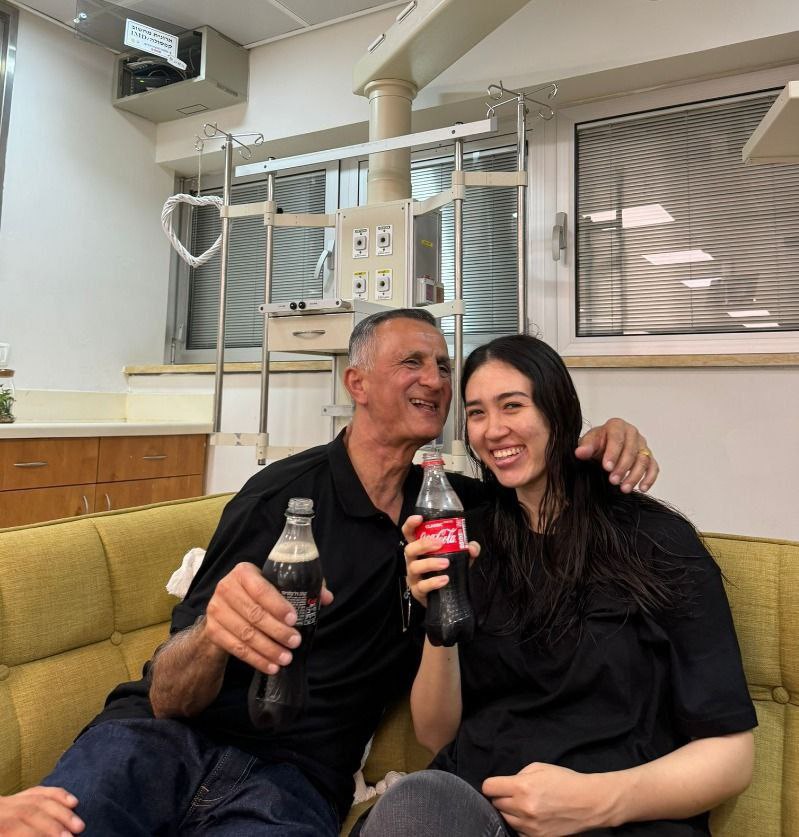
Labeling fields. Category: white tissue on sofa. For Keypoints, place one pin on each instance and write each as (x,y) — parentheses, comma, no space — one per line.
(178,584)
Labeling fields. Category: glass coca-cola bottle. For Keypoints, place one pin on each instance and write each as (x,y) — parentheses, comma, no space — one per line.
(450,617)
(293,567)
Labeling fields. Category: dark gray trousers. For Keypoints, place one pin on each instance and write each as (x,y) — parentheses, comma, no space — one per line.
(431,803)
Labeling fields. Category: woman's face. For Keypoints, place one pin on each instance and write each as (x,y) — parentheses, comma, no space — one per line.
(506,430)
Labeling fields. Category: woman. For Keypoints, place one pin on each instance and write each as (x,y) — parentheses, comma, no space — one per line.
(603,692)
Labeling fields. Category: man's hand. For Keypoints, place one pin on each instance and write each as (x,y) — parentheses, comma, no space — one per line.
(623,452)
(544,800)
(248,618)
(39,812)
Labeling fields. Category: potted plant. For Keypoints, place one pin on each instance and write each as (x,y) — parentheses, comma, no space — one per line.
(6,401)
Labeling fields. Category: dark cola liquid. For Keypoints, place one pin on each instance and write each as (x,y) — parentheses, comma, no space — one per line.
(449,617)
(276,700)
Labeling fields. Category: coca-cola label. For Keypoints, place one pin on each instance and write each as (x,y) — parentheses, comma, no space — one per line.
(451,531)
(306,605)
(429,463)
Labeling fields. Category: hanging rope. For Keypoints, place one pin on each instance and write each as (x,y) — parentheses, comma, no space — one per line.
(166,223)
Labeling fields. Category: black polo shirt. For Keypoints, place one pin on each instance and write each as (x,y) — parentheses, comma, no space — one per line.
(366,649)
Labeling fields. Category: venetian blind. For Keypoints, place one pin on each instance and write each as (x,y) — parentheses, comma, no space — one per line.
(296,251)
(489,241)
(675,235)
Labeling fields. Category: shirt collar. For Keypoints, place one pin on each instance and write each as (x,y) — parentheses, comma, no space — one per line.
(352,495)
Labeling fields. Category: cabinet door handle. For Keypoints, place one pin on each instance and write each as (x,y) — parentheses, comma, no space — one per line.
(154,456)
(107,502)
(30,464)
(311,332)
(85,504)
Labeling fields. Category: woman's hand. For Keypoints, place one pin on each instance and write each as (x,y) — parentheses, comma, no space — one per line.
(544,800)
(422,565)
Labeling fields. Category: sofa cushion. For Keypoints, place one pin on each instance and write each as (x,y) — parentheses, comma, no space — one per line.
(82,607)
(55,592)
(762,582)
(149,545)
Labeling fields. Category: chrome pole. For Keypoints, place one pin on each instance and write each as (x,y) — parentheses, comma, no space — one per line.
(268,258)
(456,372)
(521,213)
(223,259)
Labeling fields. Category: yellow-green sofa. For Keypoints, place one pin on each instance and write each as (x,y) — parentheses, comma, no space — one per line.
(83,605)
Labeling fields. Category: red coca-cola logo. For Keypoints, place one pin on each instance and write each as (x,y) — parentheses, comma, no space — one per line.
(451,532)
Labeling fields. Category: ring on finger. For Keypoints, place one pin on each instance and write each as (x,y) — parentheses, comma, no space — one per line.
(645,452)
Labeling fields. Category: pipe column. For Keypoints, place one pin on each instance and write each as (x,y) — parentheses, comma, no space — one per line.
(390,103)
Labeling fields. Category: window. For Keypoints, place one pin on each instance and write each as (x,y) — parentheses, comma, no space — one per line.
(296,255)
(674,235)
(8,46)
(489,253)
(489,242)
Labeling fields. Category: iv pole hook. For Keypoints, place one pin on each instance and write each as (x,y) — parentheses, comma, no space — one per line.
(212,131)
(497,92)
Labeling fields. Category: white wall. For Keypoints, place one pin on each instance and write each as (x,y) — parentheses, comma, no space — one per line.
(295,415)
(724,438)
(83,261)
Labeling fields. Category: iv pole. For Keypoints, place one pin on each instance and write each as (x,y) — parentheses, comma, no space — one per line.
(497,92)
(212,131)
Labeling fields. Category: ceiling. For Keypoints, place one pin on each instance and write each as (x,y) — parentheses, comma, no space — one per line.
(247,22)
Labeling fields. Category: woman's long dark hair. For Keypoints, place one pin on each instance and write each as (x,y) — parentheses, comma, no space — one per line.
(587,530)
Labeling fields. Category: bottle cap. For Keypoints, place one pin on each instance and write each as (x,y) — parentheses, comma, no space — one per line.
(301,506)
(431,455)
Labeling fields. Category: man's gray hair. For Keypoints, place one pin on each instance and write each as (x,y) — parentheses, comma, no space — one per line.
(362,339)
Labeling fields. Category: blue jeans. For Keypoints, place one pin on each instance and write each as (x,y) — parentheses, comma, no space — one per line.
(432,803)
(143,777)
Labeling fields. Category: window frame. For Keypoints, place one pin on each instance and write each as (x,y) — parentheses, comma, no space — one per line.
(176,351)
(557,310)
(8,53)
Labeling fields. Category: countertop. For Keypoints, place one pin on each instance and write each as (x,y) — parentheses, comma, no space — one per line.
(48,429)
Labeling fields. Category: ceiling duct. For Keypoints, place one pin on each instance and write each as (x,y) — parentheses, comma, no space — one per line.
(427,37)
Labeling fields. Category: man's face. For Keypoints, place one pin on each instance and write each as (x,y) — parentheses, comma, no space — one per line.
(409,388)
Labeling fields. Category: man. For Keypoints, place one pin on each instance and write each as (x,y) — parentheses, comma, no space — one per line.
(176,752)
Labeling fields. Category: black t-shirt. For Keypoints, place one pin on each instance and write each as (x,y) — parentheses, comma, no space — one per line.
(627,689)
(362,657)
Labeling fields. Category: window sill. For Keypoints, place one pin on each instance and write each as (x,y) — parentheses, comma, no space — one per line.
(276,366)
(678,361)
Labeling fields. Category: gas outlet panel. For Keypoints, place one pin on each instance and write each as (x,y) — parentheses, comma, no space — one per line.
(376,261)
(360,284)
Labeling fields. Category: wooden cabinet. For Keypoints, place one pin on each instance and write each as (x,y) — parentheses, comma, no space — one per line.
(45,479)
(149,457)
(18,508)
(120,495)
(33,463)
